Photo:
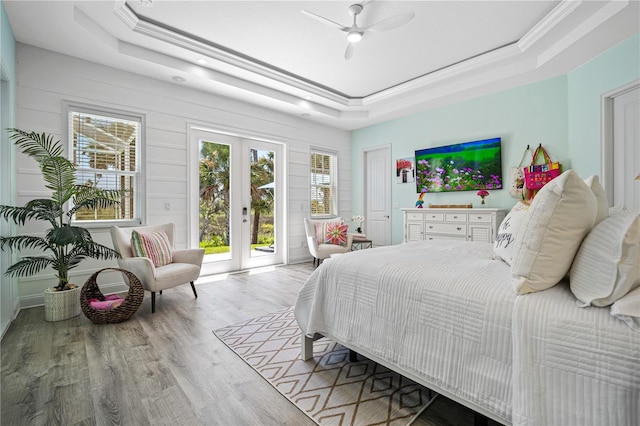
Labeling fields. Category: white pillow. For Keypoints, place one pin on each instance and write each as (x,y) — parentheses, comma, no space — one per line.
(560,216)
(607,265)
(627,309)
(593,182)
(507,232)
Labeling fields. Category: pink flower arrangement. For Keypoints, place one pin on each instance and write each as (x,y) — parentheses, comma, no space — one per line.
(483,193)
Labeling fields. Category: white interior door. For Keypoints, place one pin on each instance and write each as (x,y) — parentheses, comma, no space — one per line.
(626,149)
(377,192)
(239,202)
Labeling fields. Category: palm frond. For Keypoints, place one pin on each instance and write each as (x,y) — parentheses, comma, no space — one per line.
(59,175)
(91,197)
(29,265)
(36,145)
(45,209)
(66,235)
(24,242)
(18,215)
(94,250)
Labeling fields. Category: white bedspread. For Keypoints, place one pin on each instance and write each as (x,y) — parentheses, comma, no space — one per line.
(573,366)
(443,311)
(438,310)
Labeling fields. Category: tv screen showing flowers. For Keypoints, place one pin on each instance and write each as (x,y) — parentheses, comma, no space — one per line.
(467,166)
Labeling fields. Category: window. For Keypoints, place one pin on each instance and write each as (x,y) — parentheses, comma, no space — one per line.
(105,146)
(324,188)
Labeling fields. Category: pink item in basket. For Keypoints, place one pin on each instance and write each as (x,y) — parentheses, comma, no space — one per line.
(109,303)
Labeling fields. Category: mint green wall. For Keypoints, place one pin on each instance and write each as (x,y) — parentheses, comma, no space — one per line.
(616,67)
(7,46)
(562,113)
(531,114)
(8,291)
(8,63)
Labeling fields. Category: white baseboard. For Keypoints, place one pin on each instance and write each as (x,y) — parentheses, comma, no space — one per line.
(38,299)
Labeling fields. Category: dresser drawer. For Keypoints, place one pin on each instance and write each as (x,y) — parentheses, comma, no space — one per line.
(446,228)
(445,237)
(455,217)
(415,216)
(434,217)
(480,217)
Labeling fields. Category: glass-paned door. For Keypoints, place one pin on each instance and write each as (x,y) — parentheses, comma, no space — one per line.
(240,221)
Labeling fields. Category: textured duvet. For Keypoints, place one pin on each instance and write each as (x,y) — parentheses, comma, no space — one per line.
(443,312)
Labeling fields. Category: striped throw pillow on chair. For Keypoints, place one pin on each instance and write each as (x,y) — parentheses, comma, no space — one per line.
(155,246)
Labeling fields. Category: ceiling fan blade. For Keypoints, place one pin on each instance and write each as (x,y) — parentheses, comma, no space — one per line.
(348,54)
(324,20)
(391,23)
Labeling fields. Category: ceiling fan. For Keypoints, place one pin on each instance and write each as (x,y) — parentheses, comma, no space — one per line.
(354,32)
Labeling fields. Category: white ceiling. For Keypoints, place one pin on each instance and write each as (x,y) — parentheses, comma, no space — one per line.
(270,54)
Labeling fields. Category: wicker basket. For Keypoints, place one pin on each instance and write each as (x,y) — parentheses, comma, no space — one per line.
(131,303)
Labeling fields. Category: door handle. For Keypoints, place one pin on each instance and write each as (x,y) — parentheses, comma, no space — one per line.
(244,214)
(386,216)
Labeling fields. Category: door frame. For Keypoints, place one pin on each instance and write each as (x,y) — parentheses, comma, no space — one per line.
(365,185)
(606,129)
(193,209)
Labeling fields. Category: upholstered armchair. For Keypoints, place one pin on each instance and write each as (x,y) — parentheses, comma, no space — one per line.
(321,251)
(182,266)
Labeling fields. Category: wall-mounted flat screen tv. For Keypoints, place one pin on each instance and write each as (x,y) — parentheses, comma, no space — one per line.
(467,166)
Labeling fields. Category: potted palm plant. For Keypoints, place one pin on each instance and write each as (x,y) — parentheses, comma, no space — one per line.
(63,245)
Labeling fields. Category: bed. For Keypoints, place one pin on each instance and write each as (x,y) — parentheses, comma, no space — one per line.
(445,314)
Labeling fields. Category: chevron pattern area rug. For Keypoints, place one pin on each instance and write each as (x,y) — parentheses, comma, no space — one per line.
(328,388)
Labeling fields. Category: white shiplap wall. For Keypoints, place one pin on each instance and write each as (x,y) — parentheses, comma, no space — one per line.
(47,79)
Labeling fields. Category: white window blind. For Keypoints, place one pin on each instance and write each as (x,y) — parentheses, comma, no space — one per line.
(105,148)
(323,184)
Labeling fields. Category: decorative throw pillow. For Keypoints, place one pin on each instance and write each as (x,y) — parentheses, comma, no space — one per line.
(593,182)
(321,228)
(336,234)
(507,232)
(155,246)
(607,265)
(627,309)
(560,216)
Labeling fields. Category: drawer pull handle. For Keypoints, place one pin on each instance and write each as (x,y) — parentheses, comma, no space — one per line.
(431,227)
(459,229)
(433,217)
(455,217)
(479,217)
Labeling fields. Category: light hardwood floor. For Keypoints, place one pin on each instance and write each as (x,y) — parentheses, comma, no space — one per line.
(166,368)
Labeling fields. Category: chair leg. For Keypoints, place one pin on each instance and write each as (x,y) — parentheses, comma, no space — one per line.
(193,287)
(153,302)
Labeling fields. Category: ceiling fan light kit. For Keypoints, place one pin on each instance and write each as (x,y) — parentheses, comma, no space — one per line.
(354,36)
(354,32)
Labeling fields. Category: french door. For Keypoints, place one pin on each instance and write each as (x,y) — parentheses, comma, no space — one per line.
(240,193)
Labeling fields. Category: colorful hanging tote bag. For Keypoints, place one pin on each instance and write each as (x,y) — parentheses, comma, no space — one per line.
(538,175)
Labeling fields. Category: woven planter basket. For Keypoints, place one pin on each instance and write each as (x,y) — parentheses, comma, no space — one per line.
(129,306)
(61,305)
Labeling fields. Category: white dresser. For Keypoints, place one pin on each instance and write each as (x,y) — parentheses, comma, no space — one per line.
(475,224)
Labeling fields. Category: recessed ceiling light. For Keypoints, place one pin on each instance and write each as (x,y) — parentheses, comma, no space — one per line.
(308,97)
(201,61)
(178,79)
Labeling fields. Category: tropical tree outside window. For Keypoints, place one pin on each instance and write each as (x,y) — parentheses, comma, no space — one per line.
(106,150)
(324,188)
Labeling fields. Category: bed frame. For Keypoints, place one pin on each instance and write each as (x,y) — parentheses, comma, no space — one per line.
(481,415)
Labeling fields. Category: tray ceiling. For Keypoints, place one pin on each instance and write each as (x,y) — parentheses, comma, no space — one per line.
(271,54)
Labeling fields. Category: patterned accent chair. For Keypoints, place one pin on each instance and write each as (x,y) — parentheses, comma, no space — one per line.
(321,251)
(184,267)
